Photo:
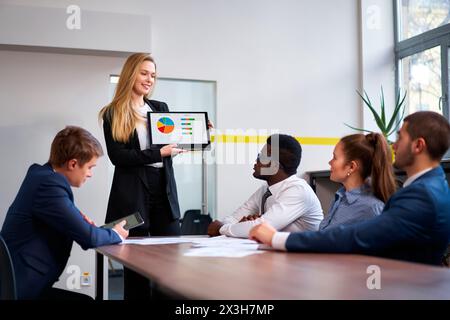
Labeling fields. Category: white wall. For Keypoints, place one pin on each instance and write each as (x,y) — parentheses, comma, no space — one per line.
(291,65)
(377,55)
(288,65)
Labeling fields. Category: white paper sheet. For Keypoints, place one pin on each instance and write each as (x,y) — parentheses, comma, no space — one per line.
(159,240)
(222,241)
(233,252)
(198,241)
(222,246)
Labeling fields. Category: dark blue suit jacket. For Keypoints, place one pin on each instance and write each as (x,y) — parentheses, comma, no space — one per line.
(40,227)
(414,226)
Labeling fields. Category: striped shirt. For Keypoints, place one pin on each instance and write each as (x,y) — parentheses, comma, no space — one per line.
(352,206)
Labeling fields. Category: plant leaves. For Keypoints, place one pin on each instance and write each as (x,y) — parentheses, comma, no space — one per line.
(397,109)
(380,124)
(383,116)
(395,128)
(394,121)
(399,121)
(358,129)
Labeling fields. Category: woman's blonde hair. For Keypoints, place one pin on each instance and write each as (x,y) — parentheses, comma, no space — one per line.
(124,117)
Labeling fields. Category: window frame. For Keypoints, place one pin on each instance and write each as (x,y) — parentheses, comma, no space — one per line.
(439,36)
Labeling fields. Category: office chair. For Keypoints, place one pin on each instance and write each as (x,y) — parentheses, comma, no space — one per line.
(7,278)
(195,223)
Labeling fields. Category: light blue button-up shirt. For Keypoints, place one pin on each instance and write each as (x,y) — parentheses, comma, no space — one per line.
(352,206)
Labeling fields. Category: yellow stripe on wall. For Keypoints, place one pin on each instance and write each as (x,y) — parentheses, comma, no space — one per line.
(318,141)
(225,138)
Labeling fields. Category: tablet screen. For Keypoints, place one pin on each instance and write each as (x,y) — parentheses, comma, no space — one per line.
(187,129)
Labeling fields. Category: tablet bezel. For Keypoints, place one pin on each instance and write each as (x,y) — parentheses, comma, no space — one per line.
(192,147)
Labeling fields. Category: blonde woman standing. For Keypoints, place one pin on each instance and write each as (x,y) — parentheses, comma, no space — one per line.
(143,177)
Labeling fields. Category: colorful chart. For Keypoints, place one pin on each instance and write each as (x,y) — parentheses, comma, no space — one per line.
(165,125)
(186,126)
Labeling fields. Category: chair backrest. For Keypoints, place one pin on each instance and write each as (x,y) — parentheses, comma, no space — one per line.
(7,278)
(195,223)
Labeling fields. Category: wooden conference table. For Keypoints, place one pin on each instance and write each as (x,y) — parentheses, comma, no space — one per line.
(275,275)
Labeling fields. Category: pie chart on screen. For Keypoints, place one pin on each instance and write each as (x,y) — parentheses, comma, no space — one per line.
(165,125)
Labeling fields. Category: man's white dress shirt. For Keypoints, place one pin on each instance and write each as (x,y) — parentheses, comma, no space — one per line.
(293,206)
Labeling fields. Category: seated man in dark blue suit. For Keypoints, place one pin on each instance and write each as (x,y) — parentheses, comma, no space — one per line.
(42,222)
(415,223)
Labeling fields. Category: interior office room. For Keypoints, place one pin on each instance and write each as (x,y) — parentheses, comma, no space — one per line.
(258,67)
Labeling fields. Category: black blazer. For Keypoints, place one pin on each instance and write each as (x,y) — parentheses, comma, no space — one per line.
(129,182)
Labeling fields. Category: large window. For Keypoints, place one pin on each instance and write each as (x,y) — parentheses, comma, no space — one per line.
(421,78)
(418,16)
(422,51)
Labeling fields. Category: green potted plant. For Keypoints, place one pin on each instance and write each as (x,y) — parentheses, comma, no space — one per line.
(387,125)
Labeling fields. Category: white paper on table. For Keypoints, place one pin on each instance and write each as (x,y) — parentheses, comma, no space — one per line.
(222,241)
(157,240)
(222,246)
(221,252)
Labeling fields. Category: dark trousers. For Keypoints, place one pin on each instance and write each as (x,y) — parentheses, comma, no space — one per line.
(161,223)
